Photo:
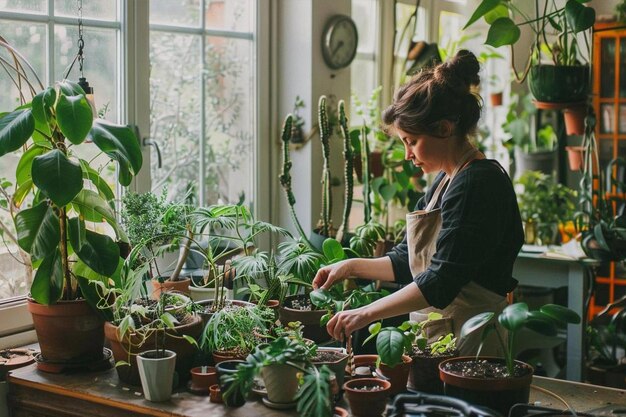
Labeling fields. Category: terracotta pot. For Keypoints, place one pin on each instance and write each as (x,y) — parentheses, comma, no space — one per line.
(215,395)
(340,412)
(181,286)
(499,394)
(68,331)
(382,247)
(424,375)
(201,379)
(575,119)
(14,359)
(495,99)
(365,403)
(398,375)
(363,361)
(375,165)
(310,319)
(338,365)
(127,349)
(225,355)
(575,157)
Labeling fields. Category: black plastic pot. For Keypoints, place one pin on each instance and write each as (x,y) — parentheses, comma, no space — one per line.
(558,83)
(236,399)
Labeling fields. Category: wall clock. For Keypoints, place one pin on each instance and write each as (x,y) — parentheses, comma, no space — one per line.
(339,41)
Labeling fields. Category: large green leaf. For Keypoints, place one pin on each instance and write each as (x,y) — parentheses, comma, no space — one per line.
(98,251)
(47,286)
(22,191)
(81,269)
(475,323)
(70,88)
(333,250)
(514,316)
(121,144)
(483,8)
(503,32)
(15,129)
(25,165)
(390,346)
(74,117)
(57,177)
(321,298)
(541,323)
(42,105)
(101,185)
(93,207)
(579,17)
(38,231)
(560,313)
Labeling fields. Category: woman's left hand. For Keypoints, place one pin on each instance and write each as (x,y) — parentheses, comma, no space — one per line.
(346,322)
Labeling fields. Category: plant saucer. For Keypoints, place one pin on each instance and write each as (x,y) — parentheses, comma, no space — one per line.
(278,406)
(258,387)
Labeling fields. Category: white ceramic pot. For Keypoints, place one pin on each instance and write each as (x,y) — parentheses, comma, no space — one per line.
(157,374)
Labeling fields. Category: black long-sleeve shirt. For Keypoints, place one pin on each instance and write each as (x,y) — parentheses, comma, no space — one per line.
(480,237)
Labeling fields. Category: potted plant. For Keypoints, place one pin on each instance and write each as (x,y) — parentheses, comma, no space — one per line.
(280,362)
(159,226)
(367,396)
(556,30)
(544,204)
(62,199)
(498,383)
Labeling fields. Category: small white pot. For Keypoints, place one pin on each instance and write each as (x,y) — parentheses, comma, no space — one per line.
(202,293)
(157,374)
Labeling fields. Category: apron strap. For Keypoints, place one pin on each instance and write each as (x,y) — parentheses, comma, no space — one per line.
(465,158)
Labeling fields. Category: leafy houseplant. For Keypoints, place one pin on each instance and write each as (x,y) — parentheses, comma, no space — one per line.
(555,28)
(506,380)
(544,204)
(60,203)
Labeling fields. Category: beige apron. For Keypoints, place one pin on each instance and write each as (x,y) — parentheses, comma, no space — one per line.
(423,227)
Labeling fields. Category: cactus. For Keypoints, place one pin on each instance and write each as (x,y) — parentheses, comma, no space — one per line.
(285,178)
(348,167)
(325,221)
(365,180)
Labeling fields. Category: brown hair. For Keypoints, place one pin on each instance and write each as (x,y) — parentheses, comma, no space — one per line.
(439,93)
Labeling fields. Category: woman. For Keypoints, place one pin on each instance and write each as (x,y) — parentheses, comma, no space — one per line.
(463,239)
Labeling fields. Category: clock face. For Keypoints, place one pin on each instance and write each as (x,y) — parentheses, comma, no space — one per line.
(339,42)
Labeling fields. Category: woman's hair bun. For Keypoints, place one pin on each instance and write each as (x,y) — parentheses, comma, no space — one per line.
(466,67)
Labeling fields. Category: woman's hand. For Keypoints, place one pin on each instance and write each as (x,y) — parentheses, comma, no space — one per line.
(331,274)
(346,322)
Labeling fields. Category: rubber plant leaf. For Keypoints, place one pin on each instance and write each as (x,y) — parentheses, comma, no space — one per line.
(57,177)
(74,117)
(38,231)
(15,129)
(23,172)
(47,286)
(98,251)
(119,143)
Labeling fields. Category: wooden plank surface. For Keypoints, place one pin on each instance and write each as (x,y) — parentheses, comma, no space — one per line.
(33,393)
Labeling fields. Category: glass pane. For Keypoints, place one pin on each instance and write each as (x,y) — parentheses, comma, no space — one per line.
(236,15)
(608,116)
(622,62)
(622,118)
(607,75)
(363,83)
(100,64)
(403,15)
(104,10)
(181,12)
(450,25)
(364,14)
(37,6)
(175,111)
(605,151)
(30,41)
(229,135)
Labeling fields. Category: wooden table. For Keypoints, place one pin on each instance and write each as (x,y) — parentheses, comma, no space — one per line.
(533,269)
(36,394)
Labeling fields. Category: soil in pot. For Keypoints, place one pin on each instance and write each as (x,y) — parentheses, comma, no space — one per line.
(335,359)
(367,396)
(486,382)
(299,308)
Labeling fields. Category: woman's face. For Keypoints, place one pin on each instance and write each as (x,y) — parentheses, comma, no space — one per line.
(426,152)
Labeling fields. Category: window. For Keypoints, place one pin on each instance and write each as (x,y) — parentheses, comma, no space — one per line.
(202,90)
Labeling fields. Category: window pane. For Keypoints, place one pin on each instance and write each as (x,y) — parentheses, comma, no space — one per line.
(175,111)
(450,25)
(102,10)
(364,14)
(236,15)
(363,83)
(229,135)
(37,6)
(181,12)
(100,64)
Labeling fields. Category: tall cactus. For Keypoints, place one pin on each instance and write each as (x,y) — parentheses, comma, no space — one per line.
(348,168)
(285,178)
(365,180)
(327,203)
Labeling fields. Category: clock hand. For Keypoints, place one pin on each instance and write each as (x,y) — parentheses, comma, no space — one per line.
(336,48)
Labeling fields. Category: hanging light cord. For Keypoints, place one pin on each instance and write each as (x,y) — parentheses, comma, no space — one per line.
(81,43)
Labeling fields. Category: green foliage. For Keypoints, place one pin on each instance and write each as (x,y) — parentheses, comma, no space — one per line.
(518,125)
(64,190)
(506,20)
(335,300)
(515,317)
